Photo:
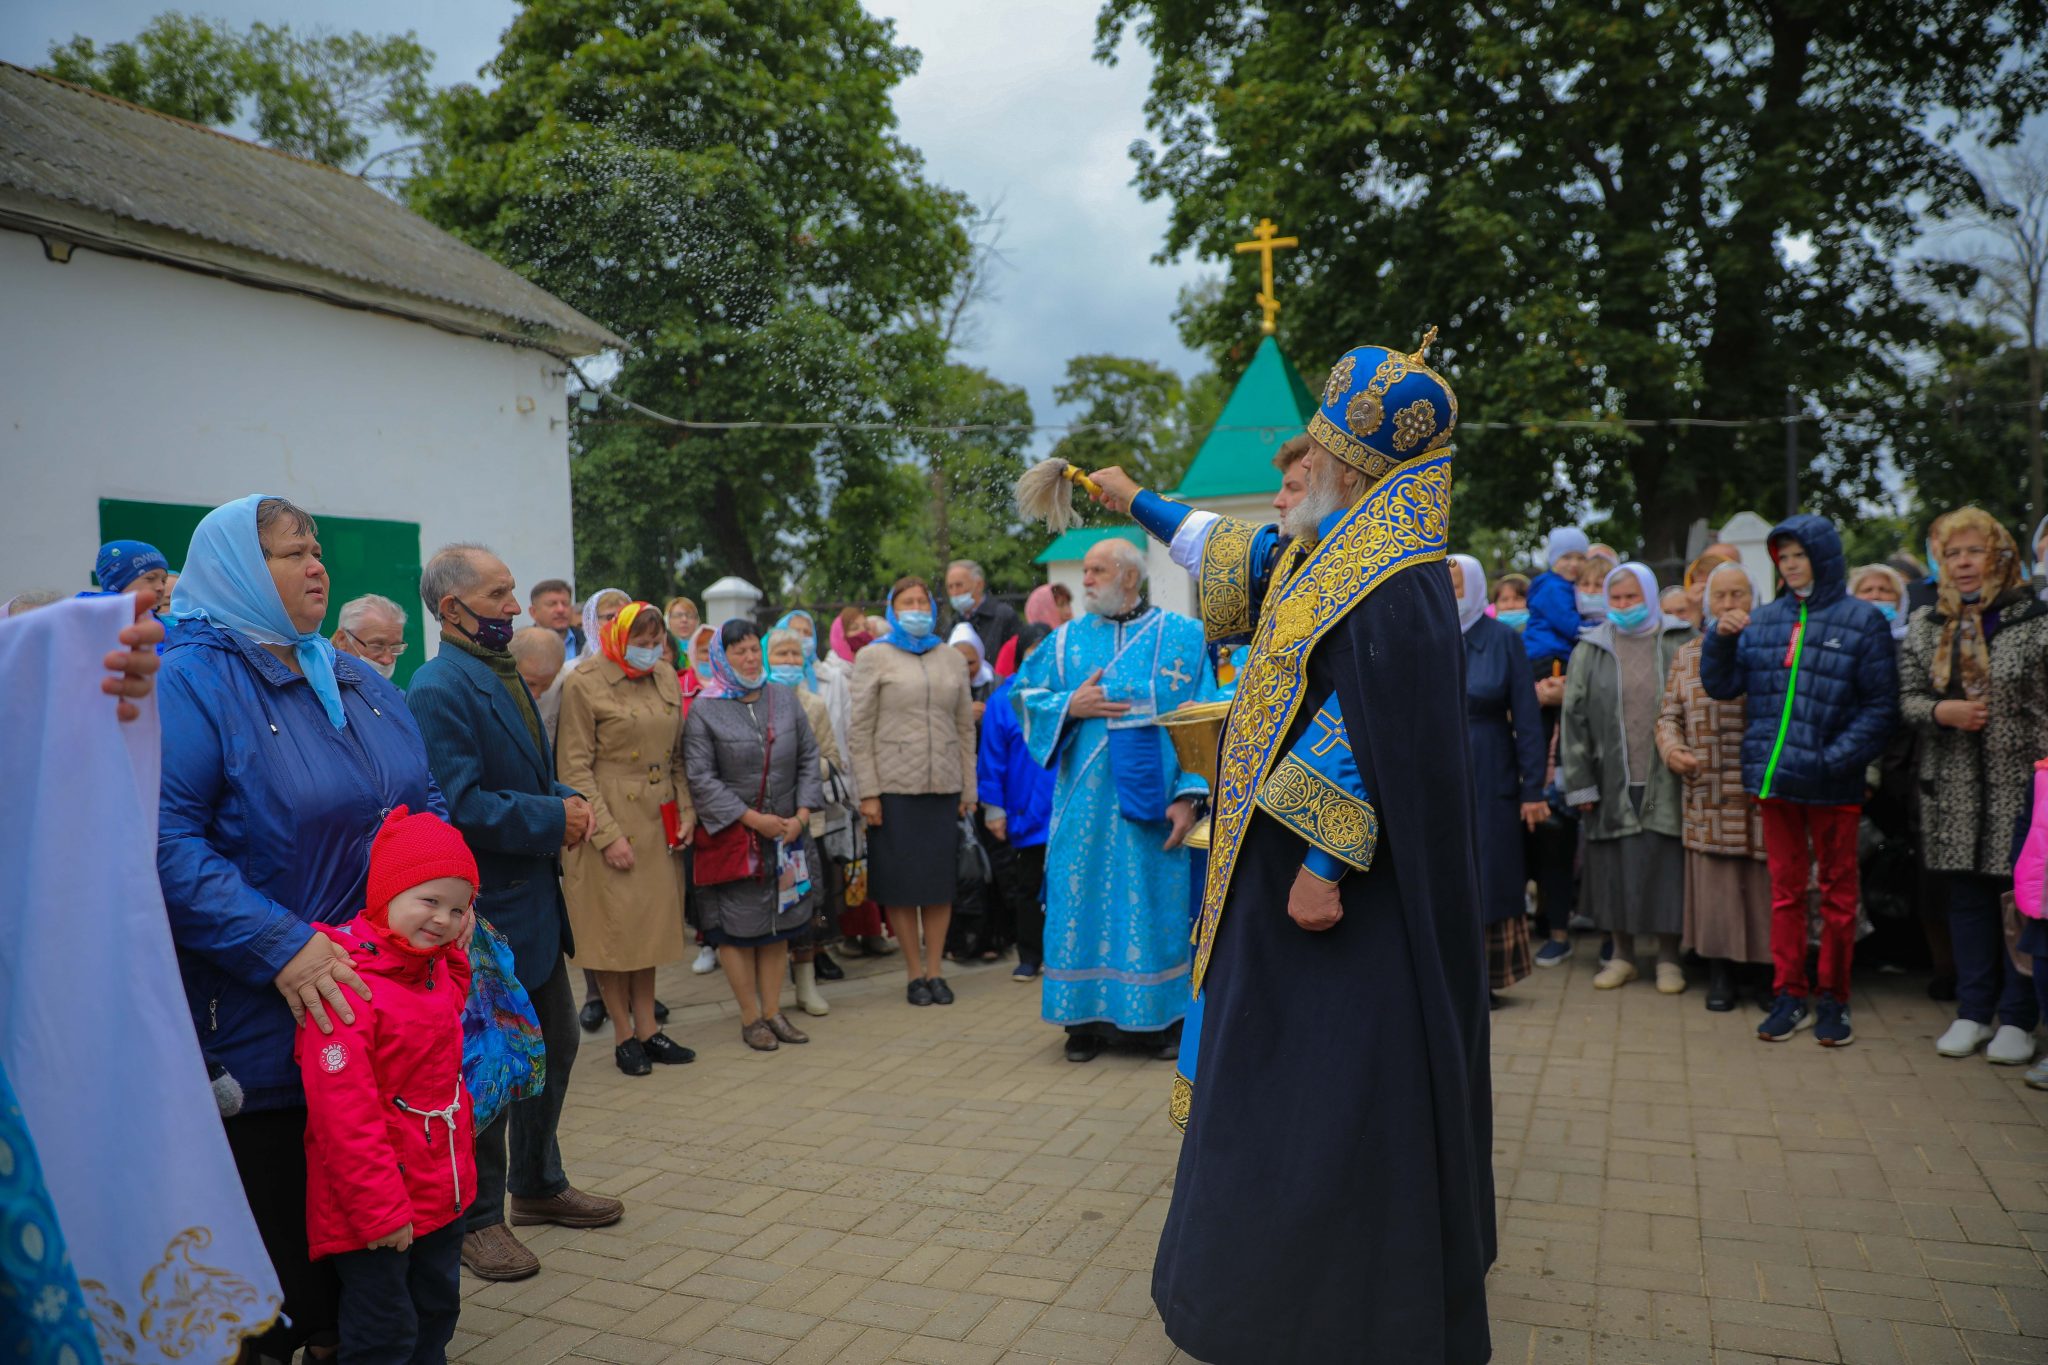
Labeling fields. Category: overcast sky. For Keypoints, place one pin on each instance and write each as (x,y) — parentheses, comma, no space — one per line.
(1009,105)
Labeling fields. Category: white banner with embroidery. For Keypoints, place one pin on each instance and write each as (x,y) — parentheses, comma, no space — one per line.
(94,1029)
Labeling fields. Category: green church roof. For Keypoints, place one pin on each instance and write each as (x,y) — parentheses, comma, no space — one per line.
(1079,541)
(1269,405)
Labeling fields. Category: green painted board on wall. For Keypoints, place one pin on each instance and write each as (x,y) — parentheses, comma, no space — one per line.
(362,555)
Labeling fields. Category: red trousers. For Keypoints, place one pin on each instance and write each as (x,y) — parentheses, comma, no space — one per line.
(1796,838)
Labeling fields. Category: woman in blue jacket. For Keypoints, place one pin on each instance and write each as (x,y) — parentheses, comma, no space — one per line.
(1016,806)
(280,760)
(1821,676)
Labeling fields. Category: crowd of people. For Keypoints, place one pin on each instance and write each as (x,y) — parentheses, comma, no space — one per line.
(1701,772)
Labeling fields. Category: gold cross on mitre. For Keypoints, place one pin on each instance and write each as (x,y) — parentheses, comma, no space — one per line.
(1265,243)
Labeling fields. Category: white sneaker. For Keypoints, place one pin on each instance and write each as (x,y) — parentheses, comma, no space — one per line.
(1964,1037)
(2010,1046)
(707,961)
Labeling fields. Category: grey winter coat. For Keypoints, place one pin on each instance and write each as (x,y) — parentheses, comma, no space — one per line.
(1973,784)
(723,760)
(1592,746)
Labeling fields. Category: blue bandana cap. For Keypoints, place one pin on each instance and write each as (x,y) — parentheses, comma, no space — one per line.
(1382,407)
(121,562)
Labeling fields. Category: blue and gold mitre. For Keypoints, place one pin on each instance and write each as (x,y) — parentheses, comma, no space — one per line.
(1381,407)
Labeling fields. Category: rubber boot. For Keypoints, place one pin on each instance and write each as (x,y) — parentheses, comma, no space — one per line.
(807,997)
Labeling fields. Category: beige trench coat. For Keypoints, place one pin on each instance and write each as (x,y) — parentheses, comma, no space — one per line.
(621,745)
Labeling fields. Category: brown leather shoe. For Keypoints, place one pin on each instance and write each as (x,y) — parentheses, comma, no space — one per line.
(572,1208)
(786,1031)
(759,1036)
(494,1253)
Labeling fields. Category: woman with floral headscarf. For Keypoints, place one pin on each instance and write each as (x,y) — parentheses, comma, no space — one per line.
(621,745)
(1608,764)
(1973,678)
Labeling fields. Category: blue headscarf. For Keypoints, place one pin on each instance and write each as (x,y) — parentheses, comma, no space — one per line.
(810,644)
(227,582)
(121,562)
(720,679)
(904,640)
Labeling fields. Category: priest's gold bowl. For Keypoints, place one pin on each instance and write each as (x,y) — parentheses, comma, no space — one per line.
(1196,732)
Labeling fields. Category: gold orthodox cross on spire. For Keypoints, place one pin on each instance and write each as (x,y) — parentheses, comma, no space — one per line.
(1265,243)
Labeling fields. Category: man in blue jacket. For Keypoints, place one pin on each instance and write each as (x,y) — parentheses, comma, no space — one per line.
(1016,805)
(493,763)
(1821,675)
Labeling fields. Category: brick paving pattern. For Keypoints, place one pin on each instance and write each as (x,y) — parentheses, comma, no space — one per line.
(941,1186)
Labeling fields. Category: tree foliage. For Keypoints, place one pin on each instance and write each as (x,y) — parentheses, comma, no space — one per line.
(1676,212)
(1158,422)
(719,182)
(1965,434)
(321,95)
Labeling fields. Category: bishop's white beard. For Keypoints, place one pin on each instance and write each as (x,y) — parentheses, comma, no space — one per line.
(1301,520)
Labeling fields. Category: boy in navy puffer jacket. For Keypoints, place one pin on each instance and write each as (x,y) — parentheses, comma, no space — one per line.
(1821,675)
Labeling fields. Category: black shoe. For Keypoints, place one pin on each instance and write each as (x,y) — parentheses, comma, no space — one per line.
(632,1058)
(920,992)
(1720,985)
(1942,988)
(1085,1047)
(1494,1000)
(660,1013)
(827,969)
(667,1051)
(592,1016)
(942,994)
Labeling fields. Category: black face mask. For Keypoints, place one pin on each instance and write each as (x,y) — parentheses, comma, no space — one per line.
(493,633)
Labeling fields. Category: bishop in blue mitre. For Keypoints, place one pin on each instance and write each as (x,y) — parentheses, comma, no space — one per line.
(1117,952)
(1334,1199)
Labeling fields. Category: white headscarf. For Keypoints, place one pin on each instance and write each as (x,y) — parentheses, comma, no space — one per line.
(964,634)
(1471,601)
(1654,621)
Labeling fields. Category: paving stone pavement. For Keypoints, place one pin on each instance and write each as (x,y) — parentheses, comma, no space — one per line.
(941,1186)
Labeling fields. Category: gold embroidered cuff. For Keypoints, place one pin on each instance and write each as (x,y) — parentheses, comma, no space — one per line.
(1224,586)
(1321,812)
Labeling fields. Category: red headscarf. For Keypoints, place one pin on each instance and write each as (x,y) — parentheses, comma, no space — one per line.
(613,639)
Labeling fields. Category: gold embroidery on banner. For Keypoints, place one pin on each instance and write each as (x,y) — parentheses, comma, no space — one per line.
(1183,1102)
(1321,812)
(1340,378)
(1223,588)
(1403,521)
(185,1305)
(1414,422)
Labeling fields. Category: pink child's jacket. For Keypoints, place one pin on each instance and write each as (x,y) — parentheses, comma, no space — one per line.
(2030,870)
(389,1139)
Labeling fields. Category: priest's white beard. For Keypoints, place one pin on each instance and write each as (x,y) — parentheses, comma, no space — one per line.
(1110,599)
(1323,497)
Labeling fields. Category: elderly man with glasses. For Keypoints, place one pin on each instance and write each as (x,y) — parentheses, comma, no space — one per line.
(373,629)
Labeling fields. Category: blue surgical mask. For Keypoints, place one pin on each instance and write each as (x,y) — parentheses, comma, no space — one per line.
(1514,618)
(1592,604)
(643,657)
(751,681)
(1888,610)
(916,624)
(789,675)
(962,602)
(1629,618)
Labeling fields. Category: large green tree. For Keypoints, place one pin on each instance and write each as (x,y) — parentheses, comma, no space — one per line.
(1151,422)
(1614,212)
(720,183)
(325,96)
(1963,436)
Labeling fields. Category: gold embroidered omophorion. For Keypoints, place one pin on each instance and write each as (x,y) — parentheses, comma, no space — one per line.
(1403,521)
(184,1304)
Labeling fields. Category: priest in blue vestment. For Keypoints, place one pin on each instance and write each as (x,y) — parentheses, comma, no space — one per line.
(1334,1198)
(1116,876)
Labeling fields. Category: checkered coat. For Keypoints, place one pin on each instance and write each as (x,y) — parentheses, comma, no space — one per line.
(1719,816)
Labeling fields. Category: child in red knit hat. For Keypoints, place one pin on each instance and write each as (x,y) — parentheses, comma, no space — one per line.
(390,1150)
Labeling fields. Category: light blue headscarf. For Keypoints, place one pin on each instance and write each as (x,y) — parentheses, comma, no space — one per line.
(724,680)
(227,582)
(904,640)
(809,642)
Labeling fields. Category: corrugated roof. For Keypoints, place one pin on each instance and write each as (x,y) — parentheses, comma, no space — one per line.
(1269,405)
(62,143)
(1079,541)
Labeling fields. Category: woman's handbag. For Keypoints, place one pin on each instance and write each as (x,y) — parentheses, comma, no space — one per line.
(734,853)
(503,1055)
